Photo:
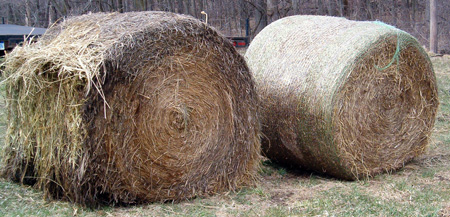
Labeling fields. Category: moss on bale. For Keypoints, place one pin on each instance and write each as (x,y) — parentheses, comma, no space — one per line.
(130,108)
(346,98)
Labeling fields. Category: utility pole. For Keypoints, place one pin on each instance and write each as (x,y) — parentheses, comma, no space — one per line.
(433,27)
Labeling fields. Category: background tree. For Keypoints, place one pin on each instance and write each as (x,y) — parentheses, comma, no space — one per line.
(229,16)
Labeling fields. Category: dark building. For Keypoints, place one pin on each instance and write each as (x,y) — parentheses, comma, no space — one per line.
(11,35)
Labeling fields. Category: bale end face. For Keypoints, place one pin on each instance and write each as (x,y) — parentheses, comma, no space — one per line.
(385,111)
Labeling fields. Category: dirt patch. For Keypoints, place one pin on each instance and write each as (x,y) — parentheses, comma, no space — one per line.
(445,212)
(443,177)
(431,160)
(281,197)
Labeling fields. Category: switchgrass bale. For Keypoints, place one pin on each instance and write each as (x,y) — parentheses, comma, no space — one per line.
(130,108)
(345,98)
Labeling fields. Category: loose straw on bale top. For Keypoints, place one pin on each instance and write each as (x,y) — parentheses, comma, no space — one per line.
(130,108)
(346,98)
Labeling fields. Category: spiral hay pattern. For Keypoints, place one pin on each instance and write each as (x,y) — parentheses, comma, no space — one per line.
(346,98)
(130,108)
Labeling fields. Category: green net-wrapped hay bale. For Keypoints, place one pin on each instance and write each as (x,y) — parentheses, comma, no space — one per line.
(345,98)
(130,108)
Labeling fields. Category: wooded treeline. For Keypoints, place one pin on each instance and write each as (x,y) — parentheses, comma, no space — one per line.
(229,16)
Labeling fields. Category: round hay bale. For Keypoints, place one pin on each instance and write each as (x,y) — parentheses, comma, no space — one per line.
(346,98)
(130,108)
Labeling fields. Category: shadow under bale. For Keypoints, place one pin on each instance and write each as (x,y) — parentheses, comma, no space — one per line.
(130,108)
(346,98)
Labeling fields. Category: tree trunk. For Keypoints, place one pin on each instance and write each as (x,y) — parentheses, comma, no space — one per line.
(271,11)
(340,7)
(51,14)
(120,6)
(229,16)
(406,12)
(39,15)
(330,8)
(200,5)
(185,7)
(180,7)
(320,7)
(138,5)
(192,8)
(100,6)
(369,9)
(12,15)
(27,13)
(155,5)
(295,6)
(433,27)
(345,7)
(141,5)
(283,9)
(172,6)
(394,13)
(67,7)
(260,17)
(8,13)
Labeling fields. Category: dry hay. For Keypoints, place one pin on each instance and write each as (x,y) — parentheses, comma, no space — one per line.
(346,98)
(130,108)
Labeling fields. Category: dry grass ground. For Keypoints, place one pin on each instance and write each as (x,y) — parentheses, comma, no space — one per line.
(421,188)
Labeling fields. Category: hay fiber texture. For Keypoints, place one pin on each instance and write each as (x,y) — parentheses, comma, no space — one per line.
(345,98)
(130,108)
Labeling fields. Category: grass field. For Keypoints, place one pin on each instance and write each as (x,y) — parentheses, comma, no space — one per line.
(421,188)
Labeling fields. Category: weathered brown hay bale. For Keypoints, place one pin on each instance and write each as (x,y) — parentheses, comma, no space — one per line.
(129,108)
(346,98)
